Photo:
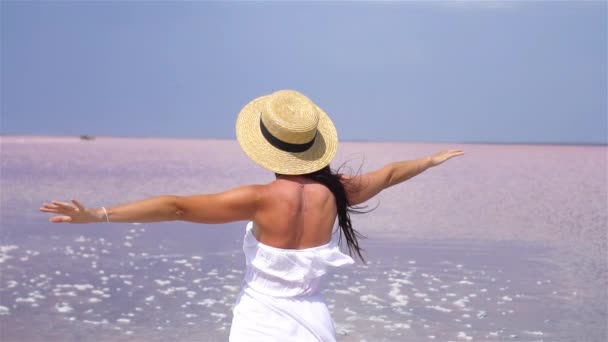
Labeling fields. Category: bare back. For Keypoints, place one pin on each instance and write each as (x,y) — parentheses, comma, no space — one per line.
(297,213)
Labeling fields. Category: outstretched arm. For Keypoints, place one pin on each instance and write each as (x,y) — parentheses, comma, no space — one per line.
(362,188)
(233,205)
(153,209)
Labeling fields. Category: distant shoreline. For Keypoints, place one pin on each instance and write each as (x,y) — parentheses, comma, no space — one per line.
(97,137)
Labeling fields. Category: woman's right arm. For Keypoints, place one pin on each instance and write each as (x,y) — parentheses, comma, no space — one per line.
(236,204)
(364,187)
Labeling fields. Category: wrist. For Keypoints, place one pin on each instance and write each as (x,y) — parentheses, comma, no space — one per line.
(427,162)
(97,215)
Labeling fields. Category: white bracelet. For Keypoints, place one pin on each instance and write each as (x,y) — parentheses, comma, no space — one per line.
(106,212)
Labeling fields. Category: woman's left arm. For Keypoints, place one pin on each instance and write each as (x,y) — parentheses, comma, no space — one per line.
(236,204)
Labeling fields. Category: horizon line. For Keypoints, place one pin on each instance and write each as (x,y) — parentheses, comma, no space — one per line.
(469,142)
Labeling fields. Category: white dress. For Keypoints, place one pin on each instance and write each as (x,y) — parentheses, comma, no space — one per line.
(281,297)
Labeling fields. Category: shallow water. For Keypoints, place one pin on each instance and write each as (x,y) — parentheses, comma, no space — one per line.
(477,266)
(134,282)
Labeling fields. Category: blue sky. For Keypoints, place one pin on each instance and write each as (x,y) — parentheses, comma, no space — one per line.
(393,71)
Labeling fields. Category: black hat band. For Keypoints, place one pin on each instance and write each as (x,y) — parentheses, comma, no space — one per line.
(282,145)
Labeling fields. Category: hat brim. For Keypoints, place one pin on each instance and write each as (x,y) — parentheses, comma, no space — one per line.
(249,136)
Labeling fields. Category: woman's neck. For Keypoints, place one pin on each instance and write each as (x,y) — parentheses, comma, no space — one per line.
(294,178)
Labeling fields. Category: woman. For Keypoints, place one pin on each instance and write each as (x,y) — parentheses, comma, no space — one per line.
(289,242)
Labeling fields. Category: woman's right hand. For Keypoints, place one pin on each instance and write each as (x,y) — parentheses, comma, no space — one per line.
(441,157)
(70,213)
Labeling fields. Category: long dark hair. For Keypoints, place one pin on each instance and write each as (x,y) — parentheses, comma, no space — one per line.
(337,185)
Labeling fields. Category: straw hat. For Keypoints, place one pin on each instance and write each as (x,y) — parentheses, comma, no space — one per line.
(286,133)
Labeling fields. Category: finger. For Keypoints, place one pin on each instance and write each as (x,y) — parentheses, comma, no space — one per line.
(78,205)
(49,206)
(454,156)
(60,219)
(63,205)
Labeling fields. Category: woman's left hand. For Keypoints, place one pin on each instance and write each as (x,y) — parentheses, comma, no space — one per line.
(68,213)
(439,158)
